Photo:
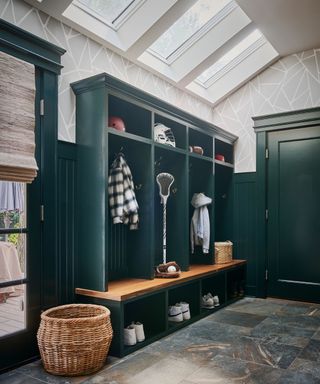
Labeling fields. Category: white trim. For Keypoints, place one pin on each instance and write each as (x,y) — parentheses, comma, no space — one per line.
(233,63)
(130,10)
(216,19)
(119,20)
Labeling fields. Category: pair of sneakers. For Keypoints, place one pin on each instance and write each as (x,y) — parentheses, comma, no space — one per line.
(179,312)
(133,333)
(209,301)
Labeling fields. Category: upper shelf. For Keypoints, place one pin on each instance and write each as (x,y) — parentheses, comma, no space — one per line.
(223,153)
(224,163)
(151,103)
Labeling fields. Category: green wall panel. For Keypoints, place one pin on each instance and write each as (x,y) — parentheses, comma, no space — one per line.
(245,226)
(66,217)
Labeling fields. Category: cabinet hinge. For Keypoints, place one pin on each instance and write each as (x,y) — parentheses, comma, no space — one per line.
(42,107)
(266,274)
(267,214)
(267,153)
(41,212)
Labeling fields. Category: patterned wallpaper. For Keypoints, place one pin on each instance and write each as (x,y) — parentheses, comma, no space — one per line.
(85,58)
(291,83)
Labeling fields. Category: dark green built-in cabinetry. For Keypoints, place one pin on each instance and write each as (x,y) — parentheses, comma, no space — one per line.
(107,252)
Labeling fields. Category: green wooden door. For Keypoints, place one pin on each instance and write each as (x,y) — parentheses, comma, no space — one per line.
(294,214)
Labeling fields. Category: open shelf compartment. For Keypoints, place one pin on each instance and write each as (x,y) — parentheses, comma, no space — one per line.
(149,311)
(137,120)
(199,139)
(177,217)
(178,130)
(216,286)
(223,203)
(188,293)
(129,250)
(224,149)
(236,279)
(201,180)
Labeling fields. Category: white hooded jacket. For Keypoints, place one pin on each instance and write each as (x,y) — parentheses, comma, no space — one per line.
(200,223)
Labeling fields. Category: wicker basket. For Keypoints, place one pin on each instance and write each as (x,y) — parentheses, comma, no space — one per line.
(222,252)
(74,339)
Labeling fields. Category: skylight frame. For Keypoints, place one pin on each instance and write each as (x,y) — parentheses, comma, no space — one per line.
(119,20)
(232,64)
(211,23)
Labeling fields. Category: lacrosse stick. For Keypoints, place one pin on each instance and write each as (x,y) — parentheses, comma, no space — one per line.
(164,180)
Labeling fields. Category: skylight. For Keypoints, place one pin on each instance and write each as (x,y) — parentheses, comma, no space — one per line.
(186,26)
(230,59)
(109,11)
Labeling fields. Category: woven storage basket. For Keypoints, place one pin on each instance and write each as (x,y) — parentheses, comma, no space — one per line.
(74,339)
(222,252)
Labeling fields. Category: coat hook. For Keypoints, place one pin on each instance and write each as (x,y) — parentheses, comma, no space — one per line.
(174,190)
(138,187)
(158,162)
(120,152)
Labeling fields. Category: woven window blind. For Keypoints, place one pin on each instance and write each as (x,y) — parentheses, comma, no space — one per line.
(17,120)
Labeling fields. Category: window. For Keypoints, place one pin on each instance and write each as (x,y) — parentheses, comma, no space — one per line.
(186,27)
(111,12)
(230,59)
(13,231)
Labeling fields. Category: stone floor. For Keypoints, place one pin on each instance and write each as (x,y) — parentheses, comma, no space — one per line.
(252,341)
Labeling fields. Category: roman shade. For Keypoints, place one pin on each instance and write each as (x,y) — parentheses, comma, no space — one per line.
(17,120)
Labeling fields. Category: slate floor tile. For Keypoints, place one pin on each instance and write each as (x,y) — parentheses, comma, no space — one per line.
(311,351)
(308,366)
(166,370)
(35,370)
(15,377)
(316,336)
(271,329)
(298,309)
(267,353)
(228,370)
(242,319)
(217,331)
(261,307)
(298,321)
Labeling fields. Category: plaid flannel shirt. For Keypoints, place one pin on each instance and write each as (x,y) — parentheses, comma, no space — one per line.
(122,199)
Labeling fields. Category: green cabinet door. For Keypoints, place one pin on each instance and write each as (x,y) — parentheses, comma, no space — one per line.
(294,214)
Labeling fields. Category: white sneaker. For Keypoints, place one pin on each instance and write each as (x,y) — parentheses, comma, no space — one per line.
(129,335)
(175,314)
(139,331)
(207,301)
(184,309)
(216,301)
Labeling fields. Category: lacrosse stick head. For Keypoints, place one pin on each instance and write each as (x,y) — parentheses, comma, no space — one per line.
(164,180)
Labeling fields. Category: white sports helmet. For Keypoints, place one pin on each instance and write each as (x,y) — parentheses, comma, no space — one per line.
(163,135)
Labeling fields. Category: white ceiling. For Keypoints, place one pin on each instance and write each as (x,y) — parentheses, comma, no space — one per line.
(290,25)
(287,25)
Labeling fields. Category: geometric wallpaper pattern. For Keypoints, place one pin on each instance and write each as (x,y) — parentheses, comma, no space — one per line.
(291,83)
(84,58)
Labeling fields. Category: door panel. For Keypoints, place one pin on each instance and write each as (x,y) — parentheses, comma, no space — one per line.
(20,309)
(294,214)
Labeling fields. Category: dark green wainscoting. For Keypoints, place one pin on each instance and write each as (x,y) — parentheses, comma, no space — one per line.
(245,226)
(67,220)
